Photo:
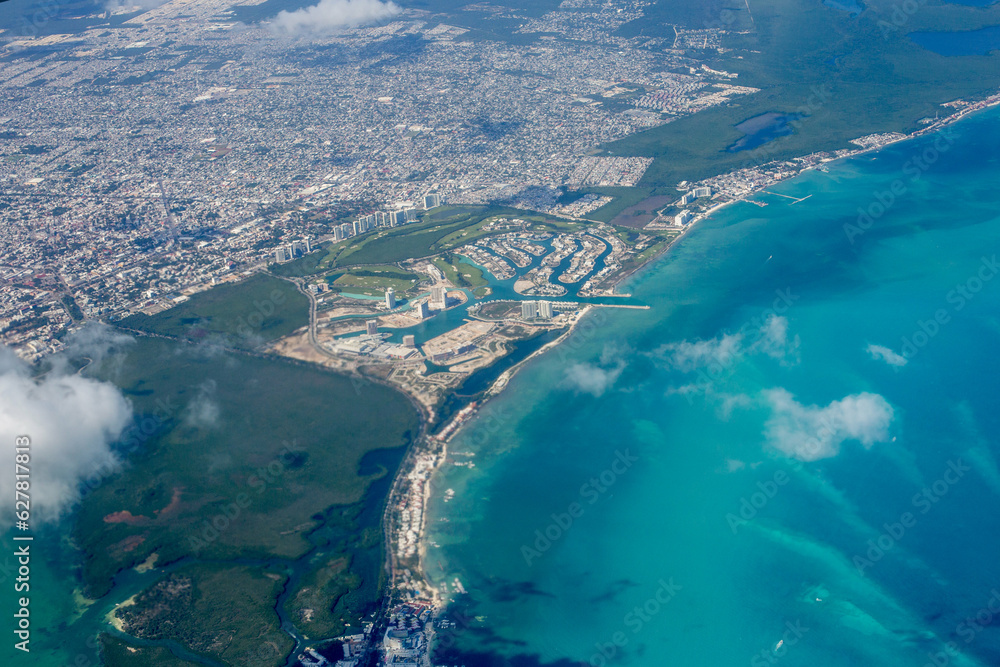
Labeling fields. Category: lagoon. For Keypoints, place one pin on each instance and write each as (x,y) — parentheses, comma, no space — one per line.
(960,43)
(761,129)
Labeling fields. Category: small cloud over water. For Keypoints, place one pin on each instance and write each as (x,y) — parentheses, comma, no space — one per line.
(596,379)
(812,432)
(770,338)
(882,353)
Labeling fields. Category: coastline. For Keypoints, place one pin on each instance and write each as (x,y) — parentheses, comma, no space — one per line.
(972,108)
(438,599)
(440,449)
(501,382)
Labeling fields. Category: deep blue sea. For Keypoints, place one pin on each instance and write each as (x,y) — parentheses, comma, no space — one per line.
(790,459)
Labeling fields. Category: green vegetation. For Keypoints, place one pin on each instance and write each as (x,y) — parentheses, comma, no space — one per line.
(849,76)
(237,457)
(259,309)
(542,223)
(385,271)
(461,273)
(116,653)
(623,198)
(409,241)
(72,308)
(498,310)
(340,589)
(649,252)
(318,595)
(375,280)
(333,252)
(448,213)
(218,611)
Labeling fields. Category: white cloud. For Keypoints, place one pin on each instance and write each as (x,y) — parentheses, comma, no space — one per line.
(732,465)
(331,15)
(687,356)
(591,379)
(203,410)
(771,339)
(731,402)
(688,390)
(811,432)
(882,353)
(596,378)
(71,420)
(94,344)
(115,5)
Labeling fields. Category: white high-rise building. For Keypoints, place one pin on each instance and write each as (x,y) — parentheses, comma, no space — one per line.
(683,218)
(280,255)
(423,310)
(371,327)
(390,298)
(545,309)
(529,310)
(431,200)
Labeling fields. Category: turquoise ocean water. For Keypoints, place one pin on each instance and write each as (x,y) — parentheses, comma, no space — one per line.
(790,459)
